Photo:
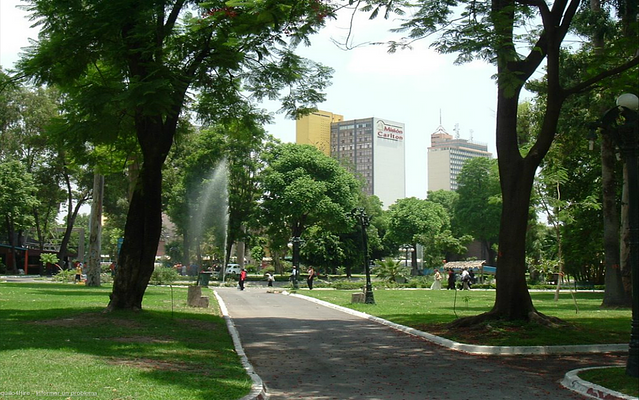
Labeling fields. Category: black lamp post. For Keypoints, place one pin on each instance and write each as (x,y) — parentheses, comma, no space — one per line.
(364,221)
(621,125)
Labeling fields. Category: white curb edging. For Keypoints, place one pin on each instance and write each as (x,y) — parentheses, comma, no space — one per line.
(258,390)
(475,349)
(573,382)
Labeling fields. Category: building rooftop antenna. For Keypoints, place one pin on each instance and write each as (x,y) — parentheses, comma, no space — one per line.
(456,130)
(471,135)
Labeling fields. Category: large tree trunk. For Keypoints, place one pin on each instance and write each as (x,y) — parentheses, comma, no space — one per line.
(614,293)
(512,298)
(95,234)
(144,219)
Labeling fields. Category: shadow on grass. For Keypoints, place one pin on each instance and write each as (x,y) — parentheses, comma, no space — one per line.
(192,351)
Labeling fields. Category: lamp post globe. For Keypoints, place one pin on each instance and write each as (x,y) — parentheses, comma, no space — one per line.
(628,100)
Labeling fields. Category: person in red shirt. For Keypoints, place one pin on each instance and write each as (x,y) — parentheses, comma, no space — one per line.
(242,278)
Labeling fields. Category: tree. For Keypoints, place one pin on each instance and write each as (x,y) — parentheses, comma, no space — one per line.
(489,31)
(414,221)
(322,249)
(134,64)
(479,205)
(17,200)
(24,116)
(302,187)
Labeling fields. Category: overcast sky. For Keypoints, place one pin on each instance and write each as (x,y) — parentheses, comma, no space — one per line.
(411,86)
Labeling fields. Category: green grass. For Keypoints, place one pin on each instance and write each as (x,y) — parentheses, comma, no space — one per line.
(55,339)
(612,378)
(430,311)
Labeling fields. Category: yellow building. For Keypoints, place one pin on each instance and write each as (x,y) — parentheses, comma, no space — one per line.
(315,129)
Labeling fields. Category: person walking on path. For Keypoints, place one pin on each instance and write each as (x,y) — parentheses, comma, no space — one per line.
(270,278)
(451,279)
(465,278)
(309,279)
(437,285)
(242,278)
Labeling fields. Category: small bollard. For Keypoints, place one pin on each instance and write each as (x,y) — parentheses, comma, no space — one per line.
(357,298)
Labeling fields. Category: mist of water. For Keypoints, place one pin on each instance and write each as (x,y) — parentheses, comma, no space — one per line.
(210,211)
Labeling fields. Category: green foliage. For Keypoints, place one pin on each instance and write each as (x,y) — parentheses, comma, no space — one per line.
(415,221)
(67,275)
(343,284)
(17,197)
(303,187)
(268,270)
(321,249)
(3,268)
(478,208)
(391,271)
(164,276)
(49,258)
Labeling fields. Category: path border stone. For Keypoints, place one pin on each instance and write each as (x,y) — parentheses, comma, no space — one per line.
(573,382)
(471,348)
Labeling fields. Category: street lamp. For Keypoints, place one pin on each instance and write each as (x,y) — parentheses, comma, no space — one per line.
(621,125)
(364,221)
(407,248)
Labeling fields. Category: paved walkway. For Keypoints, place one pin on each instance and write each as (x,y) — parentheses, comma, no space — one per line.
(303,350)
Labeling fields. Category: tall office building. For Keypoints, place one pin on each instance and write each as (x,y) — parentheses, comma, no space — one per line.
(446,157)
(374,149)
(315,129)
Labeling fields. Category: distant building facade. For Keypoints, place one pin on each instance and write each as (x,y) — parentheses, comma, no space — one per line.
(373,148)
(315,129)
(446,157)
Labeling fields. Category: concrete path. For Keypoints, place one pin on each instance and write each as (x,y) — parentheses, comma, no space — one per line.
(303,350)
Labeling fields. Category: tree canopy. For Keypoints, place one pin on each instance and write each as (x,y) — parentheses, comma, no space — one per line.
(302,187)
(135,64)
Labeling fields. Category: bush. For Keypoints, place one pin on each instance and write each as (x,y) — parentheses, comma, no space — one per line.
(392,271)
(65,276)
(269,269)
(348,285)
(163,276)
(419,282)
(250,268)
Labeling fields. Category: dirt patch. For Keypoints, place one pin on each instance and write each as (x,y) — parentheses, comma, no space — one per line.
(89,319)
(149,364)
(198,324)
(474,335)
(142,339)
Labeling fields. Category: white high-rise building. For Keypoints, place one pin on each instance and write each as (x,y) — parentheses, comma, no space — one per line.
(374,149)
(446,157)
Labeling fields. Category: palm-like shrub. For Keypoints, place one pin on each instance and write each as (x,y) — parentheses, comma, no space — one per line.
(391,270)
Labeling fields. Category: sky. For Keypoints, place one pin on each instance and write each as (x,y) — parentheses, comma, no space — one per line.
(417,87)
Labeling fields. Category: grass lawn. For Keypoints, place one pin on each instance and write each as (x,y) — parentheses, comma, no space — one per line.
(612,378)
(55,341)
(430,311)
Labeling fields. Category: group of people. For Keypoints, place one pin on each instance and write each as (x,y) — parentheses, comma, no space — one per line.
(270,278)
(467,279)
(309,277)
